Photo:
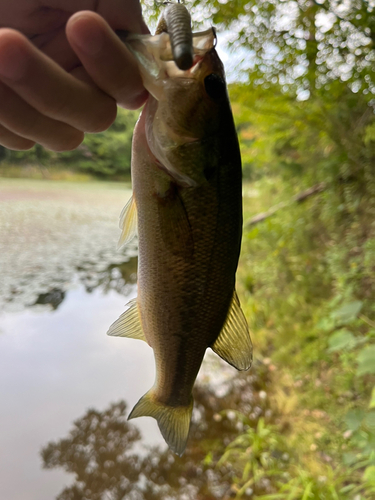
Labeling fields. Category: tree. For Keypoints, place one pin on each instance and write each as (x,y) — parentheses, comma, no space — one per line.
(106,154)
(97,451)
(303,44)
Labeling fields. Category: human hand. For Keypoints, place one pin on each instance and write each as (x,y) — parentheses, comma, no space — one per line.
(61,75)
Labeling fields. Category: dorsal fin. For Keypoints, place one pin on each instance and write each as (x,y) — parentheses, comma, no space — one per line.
(128,324)
(128,222)
(234,343)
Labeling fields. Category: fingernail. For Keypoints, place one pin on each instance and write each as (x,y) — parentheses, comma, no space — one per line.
(87,35)
(12,61)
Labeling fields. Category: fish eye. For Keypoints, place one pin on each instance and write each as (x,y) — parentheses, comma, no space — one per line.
(215,86)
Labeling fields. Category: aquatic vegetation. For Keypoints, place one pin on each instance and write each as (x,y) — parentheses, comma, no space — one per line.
(54,234)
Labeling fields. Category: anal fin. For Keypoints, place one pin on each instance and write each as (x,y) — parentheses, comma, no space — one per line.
(128,324)
(128,222)
(234,343)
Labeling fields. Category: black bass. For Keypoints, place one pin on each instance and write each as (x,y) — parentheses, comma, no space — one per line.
(187,209)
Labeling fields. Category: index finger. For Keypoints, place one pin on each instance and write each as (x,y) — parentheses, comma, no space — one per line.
(49,89)
(106,59)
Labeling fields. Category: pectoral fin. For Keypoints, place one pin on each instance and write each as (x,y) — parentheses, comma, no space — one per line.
(234,343)
(173,422)
(128,222)
(129,324)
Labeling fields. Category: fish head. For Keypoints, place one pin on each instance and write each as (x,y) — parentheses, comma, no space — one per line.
(185,106)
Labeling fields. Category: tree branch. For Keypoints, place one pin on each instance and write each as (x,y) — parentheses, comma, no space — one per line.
(298,198)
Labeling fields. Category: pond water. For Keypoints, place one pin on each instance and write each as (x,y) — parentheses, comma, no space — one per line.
(53,366)
(62,284)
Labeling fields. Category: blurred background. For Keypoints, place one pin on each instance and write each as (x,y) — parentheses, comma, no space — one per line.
(301,424)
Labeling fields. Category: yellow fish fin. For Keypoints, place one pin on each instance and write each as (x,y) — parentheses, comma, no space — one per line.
(128,222)
(128,324)
(173,422)
(234,343)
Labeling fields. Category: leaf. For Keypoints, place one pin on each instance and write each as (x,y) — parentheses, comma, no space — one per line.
(366,360)
(342,339)
(308,489)
(349,458)
(372,400)
(353,419)
(325,324)
(208,458)
(346,313)
(369,421)
(369,474)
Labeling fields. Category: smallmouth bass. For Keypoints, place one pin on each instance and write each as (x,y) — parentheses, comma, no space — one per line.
(187,210)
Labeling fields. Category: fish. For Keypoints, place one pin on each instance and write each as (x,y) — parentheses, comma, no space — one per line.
(186,208)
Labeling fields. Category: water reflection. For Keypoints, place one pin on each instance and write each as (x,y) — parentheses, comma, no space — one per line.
(53,234)
(53,366)
(100,451)
(56,361)
(53,298)
(118,277)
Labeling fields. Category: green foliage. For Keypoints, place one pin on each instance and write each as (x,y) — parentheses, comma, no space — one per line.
(314,139)
(301,45)
(308,280)
(366,360)
(259,457)
(106,154)
(372,400)
(99,449)
(309,270)
(347,312)
(97,452)
(307,274)
(342,339)
(353,419)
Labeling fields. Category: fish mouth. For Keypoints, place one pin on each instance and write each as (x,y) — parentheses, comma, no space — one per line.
(155,58)
(159,70)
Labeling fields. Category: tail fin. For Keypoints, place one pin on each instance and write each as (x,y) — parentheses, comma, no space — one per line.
(173,421)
